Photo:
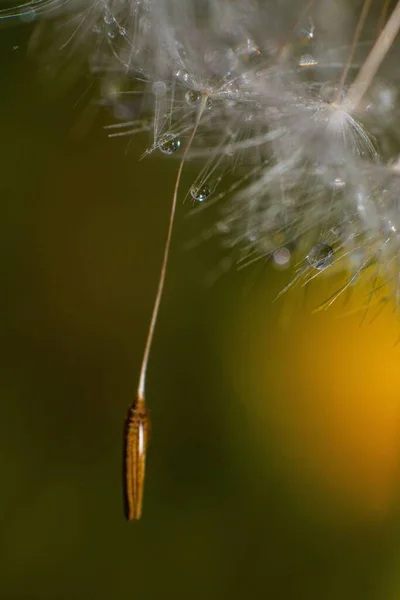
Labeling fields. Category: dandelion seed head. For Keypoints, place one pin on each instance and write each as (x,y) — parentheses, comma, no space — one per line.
(294,158)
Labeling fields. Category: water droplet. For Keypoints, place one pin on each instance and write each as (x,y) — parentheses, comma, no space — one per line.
(193,98)
(108,18)
(248,51)
(200,192)
(307,61)
(320,256)
(281,257)
(338,184)
(169,143)
(307,35)
(184,77)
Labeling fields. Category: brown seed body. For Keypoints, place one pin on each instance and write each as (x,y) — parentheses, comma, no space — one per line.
(136,440)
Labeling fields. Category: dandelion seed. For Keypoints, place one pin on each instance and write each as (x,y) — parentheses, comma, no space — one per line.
(138,422)
(136,441)
(309,152)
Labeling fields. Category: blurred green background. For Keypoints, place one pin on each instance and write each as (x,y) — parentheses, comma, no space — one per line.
(273,465)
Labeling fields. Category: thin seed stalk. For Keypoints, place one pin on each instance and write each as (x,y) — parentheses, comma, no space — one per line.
(373,61)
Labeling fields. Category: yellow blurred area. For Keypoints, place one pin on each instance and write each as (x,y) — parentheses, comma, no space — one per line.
(326,387)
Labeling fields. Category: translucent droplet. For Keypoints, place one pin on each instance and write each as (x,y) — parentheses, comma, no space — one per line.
(169,143)
(193,98)
(248,51)
(281,257)
(184,77)
(389,226)
(320,256)
(108,18)
(307,35)
(200,192)
(307,61)
(338,184)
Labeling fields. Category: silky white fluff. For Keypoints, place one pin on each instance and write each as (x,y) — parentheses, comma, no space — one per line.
(289,163)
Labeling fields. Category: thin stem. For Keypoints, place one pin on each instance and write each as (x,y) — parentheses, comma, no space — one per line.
(143,370)
(285,46)
(357,33)
(383,16)
(373,61)
(303,14)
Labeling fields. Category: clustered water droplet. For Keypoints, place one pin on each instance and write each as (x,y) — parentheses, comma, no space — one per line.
(111,26)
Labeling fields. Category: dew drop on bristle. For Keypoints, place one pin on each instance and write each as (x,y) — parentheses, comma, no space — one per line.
(281,257)
(248,51)
(108,19)
(320,256)
(184,77)
(200,192)
(193,98)
(338,184)
(307,35)
(169,143)
(307,61)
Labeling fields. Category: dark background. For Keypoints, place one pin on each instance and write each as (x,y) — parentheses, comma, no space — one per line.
(273,464)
